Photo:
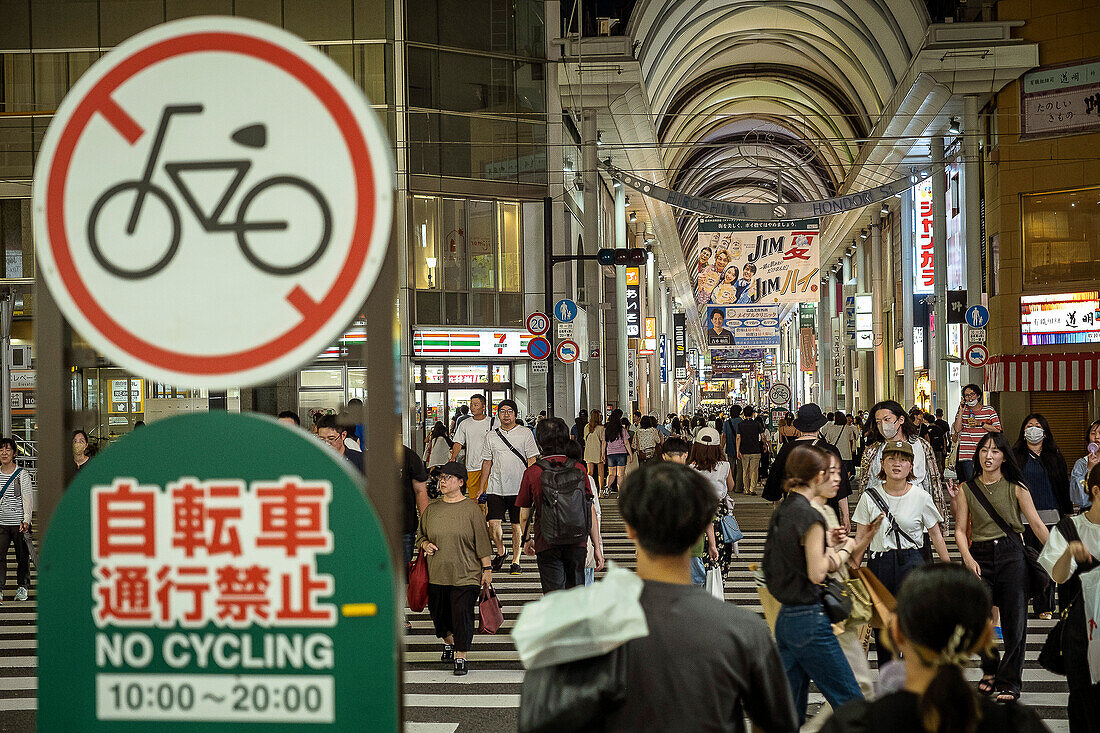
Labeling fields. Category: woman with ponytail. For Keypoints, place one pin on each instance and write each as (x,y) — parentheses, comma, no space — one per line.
(943,619)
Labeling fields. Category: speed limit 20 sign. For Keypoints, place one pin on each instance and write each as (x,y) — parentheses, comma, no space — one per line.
(212,203)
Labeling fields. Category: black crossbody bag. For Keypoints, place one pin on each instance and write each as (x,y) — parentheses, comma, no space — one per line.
(1037,579)
(894,527)
(511,447)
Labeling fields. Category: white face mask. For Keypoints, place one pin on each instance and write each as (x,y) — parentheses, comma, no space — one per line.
(889,429)
(971,403)
(1033,434)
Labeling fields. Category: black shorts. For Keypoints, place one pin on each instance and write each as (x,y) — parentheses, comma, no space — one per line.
(497,506)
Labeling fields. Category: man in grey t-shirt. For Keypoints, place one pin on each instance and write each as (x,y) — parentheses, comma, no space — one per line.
(709,663)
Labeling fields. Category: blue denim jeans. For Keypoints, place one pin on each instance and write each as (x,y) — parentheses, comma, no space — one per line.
(589,576)
(810,651)
(698,572)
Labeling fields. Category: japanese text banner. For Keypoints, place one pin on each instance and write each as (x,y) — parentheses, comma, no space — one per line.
(745,263)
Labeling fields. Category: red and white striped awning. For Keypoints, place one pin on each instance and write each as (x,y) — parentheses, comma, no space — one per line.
(1042,372)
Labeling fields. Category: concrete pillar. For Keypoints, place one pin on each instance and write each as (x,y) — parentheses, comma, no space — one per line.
(877,294)
(939,260)
(908,378)
(593,273)
(972,217)
(620,303)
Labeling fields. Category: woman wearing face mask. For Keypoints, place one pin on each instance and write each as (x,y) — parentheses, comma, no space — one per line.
(997,559)
(909,514)
(1078,492)
(1045,476)
(889,421)
(972,421)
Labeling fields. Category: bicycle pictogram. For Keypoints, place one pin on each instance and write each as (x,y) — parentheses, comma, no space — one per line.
(252,136)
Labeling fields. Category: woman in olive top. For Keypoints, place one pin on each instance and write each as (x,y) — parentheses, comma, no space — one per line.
(454,537)
(999,560)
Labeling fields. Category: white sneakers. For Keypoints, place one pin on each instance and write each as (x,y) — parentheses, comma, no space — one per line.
(21,594)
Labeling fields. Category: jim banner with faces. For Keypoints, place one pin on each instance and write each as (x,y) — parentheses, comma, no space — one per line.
(746,263)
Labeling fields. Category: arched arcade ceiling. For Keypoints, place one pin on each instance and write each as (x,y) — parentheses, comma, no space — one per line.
(754,95)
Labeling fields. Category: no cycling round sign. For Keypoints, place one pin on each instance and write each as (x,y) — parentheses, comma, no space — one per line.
(212,203)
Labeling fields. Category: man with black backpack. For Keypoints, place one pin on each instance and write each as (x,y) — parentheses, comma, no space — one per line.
(557,489)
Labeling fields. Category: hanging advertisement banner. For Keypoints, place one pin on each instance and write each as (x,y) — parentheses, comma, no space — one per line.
(770,213)
(633,303)
(742,325)
(807,350)
(730,363)
(924,268)
(744,262)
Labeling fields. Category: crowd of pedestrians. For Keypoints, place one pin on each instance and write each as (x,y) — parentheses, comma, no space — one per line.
(859,502)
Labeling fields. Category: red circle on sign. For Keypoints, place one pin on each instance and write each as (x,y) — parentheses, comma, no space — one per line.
(538,344)
(534,328)
(570,344)
(979,359)
(315,312)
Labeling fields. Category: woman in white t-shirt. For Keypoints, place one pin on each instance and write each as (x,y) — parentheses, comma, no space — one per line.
(647,439)
(895,548)
(707,458)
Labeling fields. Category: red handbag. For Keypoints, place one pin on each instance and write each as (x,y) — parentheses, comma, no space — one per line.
(417,592)
(490,617)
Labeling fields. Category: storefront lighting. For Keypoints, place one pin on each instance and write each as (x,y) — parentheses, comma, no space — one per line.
(599,137)
(569,165)
(863,234)
(885,209)
(954,129)
(633,217)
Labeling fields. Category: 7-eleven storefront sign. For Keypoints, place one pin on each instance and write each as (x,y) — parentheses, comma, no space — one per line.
(501,342)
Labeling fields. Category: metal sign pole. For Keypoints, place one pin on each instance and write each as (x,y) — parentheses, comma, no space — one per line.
(382,446)
(55,467)
(548,266)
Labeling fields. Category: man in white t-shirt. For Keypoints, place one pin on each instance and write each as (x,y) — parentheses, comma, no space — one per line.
(508,451)
(470,434)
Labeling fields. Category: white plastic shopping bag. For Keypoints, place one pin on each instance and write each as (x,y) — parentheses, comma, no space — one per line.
(715,583)
(1090,589)
(581,622)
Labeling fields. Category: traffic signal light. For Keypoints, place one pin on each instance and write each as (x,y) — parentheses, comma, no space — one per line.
(632,257)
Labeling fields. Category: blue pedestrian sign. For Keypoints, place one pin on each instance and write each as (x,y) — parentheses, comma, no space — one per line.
(977,316)
(565,310)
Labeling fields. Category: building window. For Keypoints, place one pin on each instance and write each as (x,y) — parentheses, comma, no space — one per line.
(1061,232)
(466,261)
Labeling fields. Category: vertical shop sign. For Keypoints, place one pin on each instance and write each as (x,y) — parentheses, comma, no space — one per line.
(664,359)
(633,303)
(679,344)
(924,268)
(649,343)
(632,373)
(807,343)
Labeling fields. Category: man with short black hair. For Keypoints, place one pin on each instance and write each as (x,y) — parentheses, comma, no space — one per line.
(470,434)
(709,663)
(508,451)
(290,418)
(729,445)
(750,447)
(561,565)
(334,434)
